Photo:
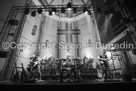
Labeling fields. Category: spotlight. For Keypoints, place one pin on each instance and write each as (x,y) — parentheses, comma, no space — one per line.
(89,12)
(26,12)
(13,22)
(40,11)
(75,10)
(62,10)
(112,10)
(99,10)
(69,5)
(85,9)
(33,14)
(50,12)
(54,9)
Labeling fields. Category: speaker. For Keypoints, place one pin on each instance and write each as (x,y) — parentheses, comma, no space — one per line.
(117,75)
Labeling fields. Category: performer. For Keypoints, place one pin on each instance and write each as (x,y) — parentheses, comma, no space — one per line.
(90,62)
(84,59)
(70,68)
(30,68)
(69,61)
(104,63)
(32,58)
(36,67)
(45,61)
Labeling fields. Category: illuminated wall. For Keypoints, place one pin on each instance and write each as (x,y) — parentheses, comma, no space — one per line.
(49,37)
(28,40)
(89,39)
(63,50)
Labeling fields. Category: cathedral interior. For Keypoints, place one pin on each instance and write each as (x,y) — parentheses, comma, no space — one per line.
(61,30)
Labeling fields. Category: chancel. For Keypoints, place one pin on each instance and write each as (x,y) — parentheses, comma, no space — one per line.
(67,41)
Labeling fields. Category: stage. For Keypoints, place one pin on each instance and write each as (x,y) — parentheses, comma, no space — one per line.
(96,82)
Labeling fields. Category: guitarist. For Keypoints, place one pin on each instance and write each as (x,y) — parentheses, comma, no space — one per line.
(36,66)
(104,63)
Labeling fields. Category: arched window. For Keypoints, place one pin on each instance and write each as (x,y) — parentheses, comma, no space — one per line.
(34,30)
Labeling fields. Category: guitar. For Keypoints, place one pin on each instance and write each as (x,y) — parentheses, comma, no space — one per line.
(37,62)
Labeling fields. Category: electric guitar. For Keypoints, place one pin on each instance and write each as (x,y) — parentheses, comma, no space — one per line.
(37,62)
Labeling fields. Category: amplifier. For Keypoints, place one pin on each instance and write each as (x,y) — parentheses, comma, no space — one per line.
(117,75)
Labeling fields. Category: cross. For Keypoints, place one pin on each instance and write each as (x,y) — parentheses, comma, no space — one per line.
(69,32)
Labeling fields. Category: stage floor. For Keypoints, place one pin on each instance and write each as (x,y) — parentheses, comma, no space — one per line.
(77,82)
